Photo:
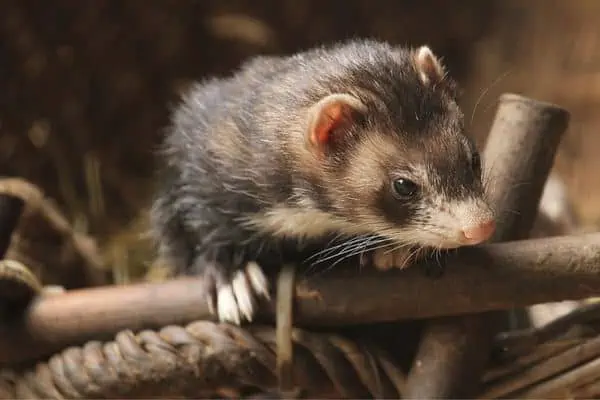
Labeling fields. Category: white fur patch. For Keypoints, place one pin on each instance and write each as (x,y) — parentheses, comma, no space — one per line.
(285,221)
(236,301)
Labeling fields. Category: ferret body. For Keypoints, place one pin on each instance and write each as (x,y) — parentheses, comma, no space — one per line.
(360,141)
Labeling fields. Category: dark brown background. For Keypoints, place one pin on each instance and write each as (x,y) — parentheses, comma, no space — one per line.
(85,85)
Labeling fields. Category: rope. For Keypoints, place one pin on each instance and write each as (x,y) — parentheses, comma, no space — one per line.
(206,359)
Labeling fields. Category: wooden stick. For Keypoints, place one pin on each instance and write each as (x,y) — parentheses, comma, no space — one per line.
(491,277)
(562,386)
(557,366)
(518,157)
(10,213)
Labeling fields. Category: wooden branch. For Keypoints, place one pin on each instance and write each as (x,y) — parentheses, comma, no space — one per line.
(14,294)
(11,208)
(491,277)
(46,242)
(532,356)
(562,386)
(535,380)
(518,157)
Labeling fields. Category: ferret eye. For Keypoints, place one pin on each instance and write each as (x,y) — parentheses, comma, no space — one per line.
(403,188)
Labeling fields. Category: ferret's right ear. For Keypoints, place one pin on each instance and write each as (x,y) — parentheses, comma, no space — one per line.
(429,66)
(329,118)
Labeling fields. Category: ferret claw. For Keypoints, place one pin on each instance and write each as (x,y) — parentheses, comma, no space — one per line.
(236,301)
(243,295)
(227,307)
(257,278)
(210,300)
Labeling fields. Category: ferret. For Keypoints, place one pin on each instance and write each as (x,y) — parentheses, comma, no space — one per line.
(359,141)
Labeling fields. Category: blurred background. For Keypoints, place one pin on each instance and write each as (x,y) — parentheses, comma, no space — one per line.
(86,86)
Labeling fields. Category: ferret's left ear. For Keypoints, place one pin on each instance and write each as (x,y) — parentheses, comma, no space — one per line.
(329,120)
(429,67)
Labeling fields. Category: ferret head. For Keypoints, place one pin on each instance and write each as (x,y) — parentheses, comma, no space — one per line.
(392,158)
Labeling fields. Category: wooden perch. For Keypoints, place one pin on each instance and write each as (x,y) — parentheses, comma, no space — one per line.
(490,277)
(518,156)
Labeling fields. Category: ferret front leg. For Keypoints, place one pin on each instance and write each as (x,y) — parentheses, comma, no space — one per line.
(233,290)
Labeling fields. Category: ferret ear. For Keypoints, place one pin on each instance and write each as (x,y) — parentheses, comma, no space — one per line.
(429,67)
(328,118)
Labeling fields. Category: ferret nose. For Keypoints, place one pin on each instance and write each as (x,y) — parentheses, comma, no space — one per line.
(479,233)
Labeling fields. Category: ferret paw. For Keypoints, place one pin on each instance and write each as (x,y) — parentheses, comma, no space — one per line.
(385,259)
(236,299)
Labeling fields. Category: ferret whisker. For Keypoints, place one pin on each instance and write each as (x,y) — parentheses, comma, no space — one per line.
(507,214)
(367,245)
(351,248)
(438,255)
(345,242)
(510,211)
(415,252)
(356,252)
(336,237)
(486,181)
(398,247)
(330,249)
(251,238)
(330,245)
(485,91)
(325,254)
(516,185)
(393,247)
(487,177)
